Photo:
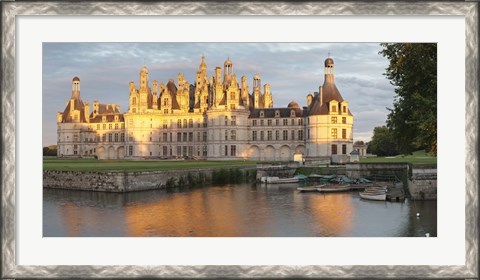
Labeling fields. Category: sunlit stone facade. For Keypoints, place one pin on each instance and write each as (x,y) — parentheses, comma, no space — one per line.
(214,118)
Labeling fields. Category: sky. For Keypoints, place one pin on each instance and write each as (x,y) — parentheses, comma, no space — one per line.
(293,70)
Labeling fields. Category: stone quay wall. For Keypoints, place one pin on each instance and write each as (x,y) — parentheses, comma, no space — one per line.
(127,181)
(421,183)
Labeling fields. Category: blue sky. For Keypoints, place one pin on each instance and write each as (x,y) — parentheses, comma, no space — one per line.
(292,70)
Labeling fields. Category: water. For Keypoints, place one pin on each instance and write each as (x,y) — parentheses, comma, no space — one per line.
(238,210)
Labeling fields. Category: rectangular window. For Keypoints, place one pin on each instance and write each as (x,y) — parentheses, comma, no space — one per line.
(184,137)
(179,137)
(334,119)
(293,134)
(122,126)
(277,122)
(285,122)
(344,133)
(261,135)
(204,151)
(171,140)
(190,136)
(344,109)
(184,123)
(205,136)
(293,122)
(226,134)
(233,150)
(116,126)
(116,137)
(308,133)
(254,123)
(277,135)
(165,124)
(179,123)
(165,150)
(261,122)
(179,151)
(165,137)
(300,135)
(226,150)
(109,126)
(344,120)
(269,122)
(334,109)
(198,136)
(285,135)
(233,122)
(254,136)
(190,123)
(233,135)
(344,149)
(300,121)
(104,126)
(334,149)
(334,133)
(130,150)
(104,137)
(269,135)
(122,137)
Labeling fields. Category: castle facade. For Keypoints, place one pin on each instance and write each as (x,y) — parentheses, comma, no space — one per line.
(217,117)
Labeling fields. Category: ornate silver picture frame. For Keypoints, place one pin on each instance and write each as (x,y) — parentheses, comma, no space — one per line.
(12,10)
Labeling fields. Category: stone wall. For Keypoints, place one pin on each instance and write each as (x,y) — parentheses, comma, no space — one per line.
(126,181)
(423,184)
(378,170)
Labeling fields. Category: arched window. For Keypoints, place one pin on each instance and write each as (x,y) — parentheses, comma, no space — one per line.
(134,101)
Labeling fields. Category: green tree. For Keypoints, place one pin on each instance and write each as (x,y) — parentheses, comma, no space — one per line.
(413,72)
(50,150)
(383,142)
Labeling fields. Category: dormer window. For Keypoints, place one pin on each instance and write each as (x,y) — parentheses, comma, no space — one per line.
(104,118)
(334,109)
(344,109)
(262,114)
(277,114)
(292,113)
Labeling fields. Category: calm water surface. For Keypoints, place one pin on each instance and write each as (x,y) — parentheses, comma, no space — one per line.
(232,210)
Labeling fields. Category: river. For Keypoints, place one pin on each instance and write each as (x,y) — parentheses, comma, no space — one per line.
(234,210)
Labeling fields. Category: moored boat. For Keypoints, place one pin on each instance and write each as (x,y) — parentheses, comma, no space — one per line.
(333,188)
(380,196)
(309,189)
(277,180)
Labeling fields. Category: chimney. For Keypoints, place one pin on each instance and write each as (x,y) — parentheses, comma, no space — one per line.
(87,111)
(321,95)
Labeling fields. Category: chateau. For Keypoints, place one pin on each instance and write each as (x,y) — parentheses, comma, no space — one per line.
(217,117)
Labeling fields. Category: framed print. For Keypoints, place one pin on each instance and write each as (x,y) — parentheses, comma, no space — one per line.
(48,47)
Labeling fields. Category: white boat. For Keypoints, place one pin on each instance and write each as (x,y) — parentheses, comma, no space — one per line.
(381,196)
(309,189)
(333,188)
(277,180)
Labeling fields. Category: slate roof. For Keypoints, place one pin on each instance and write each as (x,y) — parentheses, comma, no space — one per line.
(77,105)
(270,112)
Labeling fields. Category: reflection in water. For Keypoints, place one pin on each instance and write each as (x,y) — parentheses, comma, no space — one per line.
(231,211)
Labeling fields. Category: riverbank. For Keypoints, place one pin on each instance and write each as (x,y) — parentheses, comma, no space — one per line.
(145,180)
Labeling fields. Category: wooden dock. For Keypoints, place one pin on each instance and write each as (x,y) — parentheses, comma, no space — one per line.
(396,192)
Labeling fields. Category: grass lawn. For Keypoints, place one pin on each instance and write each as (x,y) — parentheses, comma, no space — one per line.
(418,157)
(86,165)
